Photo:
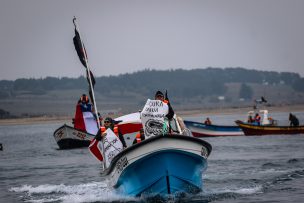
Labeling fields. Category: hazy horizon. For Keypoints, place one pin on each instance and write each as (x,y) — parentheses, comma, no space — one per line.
(128,36)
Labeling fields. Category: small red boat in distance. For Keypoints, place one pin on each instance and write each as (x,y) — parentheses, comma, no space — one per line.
(250,129)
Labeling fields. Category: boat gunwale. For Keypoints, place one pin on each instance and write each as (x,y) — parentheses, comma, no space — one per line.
(67,126)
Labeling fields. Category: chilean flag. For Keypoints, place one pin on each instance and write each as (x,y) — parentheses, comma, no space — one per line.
(84,119)
(95,149)
(112,146)
(129,123)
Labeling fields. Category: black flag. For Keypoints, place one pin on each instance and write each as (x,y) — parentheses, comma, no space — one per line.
(166,96)
(80,49)
(93,84)
(92,79)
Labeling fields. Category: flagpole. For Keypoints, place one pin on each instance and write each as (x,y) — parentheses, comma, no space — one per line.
(91,88)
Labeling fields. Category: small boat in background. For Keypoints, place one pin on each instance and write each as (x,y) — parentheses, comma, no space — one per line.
(202,130)
(250,129)
(267,126)
(68,137)
(83,130)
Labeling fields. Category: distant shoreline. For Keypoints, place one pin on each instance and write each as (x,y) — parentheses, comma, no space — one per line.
(241,110)
(181,113)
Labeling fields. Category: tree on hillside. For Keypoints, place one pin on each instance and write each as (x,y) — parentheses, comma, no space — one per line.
(298,85)
(246,91)
(180,83)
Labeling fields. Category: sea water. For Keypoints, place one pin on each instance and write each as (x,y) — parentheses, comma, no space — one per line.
(240,169)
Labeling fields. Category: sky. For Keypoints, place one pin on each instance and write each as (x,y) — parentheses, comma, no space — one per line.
(124,36)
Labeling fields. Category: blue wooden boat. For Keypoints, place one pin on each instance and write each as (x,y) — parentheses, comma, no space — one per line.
(203,130)
(160,165)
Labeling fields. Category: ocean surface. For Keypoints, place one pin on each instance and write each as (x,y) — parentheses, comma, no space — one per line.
(240,169)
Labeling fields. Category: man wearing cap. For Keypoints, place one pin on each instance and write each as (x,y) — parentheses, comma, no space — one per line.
(294,121)
(109,123)
(160,96)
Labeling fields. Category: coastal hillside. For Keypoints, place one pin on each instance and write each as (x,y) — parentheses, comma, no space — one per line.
(187,90)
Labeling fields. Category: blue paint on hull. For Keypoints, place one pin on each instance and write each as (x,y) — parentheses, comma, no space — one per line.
(163,172)
(219,128)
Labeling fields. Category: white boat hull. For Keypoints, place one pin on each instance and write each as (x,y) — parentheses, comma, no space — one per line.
(68,137)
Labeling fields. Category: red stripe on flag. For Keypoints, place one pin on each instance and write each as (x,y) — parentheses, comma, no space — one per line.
(94,149)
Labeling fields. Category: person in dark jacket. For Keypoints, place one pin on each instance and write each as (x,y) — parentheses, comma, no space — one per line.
(294,121)
(257,119)
(160,96)
(109,123)
(208,121)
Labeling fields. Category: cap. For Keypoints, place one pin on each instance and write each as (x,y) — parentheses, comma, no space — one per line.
(159,93)
(108,119)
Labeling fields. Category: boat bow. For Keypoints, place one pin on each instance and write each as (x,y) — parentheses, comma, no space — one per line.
(160,165)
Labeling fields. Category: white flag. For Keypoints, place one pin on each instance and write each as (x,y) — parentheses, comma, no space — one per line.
(90,123)
(153,116)
(112,146)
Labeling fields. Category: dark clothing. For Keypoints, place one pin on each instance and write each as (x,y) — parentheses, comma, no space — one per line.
(207,122)
(294,121)
(250,119)
(257,119)
(171,112)
(120,136)
(122,139)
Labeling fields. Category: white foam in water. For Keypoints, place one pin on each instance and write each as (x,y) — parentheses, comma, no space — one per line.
(241,191)
(244,191)
(249,191)
(89,192)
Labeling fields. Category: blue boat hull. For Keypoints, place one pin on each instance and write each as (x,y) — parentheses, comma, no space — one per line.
(163,172)
(160,165)
(203,130)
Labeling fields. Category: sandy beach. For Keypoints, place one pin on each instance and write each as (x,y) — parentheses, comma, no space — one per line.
(182,113)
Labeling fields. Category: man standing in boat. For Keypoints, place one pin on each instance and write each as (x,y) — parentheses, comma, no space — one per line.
(160,96)
(294,121)
(109,123)
(156,116)
(257,119)
(208,121)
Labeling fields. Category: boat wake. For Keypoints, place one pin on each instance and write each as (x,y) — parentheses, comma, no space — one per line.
(99,192)
(298,174)
(88,192)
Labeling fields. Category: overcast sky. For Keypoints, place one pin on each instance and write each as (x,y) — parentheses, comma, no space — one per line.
(129,35)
